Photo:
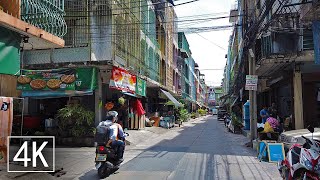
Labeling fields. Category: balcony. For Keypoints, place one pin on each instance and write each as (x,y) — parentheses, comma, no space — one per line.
(278,50)
(41,21)
(46,15)
(277,45)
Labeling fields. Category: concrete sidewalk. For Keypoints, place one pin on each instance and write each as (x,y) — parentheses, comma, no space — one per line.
(138,136)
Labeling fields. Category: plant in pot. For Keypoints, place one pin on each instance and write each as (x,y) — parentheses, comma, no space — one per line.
(236,122)
(184,114)
(76,121)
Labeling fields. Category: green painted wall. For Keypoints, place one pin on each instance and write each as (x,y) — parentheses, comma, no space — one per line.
(9,52)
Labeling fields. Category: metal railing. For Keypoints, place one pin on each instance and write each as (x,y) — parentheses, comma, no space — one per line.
(44,14)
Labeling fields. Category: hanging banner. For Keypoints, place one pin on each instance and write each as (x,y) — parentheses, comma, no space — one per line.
(316,41)
(121,79)
(141,87)
(68,79)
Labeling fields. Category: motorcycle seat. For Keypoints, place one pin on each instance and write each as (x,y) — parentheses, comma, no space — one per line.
(295,155)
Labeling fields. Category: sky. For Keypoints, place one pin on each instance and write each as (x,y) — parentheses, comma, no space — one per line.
(208,49)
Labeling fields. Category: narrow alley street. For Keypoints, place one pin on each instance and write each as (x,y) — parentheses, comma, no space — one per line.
(201,150)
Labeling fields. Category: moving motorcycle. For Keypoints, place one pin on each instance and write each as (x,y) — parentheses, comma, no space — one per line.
(106,156)
(302,162)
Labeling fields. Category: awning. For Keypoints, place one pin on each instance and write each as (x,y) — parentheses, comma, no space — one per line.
(235,100)
(169,96)
(128,94)
(54,94)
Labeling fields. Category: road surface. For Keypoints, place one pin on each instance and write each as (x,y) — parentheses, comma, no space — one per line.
(201,150)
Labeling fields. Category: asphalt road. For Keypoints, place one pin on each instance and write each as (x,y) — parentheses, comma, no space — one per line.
(201,150)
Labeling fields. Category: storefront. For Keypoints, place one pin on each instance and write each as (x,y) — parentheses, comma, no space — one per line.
(47,91)
(126,94)
(280,92)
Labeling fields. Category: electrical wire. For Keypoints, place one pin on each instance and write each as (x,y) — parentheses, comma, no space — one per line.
(140,6)
(211,42)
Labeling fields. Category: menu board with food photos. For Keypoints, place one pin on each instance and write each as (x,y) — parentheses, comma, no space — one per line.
(57,79)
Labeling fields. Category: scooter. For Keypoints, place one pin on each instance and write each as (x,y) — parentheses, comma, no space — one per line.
(106,161)
(302,162)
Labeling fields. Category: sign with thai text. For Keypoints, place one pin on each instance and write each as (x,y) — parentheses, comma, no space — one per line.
(251,82)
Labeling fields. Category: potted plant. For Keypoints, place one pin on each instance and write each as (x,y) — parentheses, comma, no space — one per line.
(236,123)
(76,122)
(184,114)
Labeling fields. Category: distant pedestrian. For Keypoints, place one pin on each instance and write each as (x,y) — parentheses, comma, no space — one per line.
(273,109)
(264,114)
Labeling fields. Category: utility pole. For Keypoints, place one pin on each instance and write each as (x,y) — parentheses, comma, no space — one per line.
(253,98)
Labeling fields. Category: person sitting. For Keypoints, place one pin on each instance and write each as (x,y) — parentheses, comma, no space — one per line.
(264,114)
(274,123)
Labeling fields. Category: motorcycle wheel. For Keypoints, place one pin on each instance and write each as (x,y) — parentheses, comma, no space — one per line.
(301,176)
(284,173)
(103,171)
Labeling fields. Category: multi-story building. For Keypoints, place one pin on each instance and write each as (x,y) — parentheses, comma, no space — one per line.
(281,38)
(26,25)
(100,35)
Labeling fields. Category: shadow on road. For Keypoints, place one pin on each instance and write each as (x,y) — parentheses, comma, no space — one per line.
(201,150)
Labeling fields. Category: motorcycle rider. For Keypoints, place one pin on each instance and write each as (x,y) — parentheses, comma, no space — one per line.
(116,135)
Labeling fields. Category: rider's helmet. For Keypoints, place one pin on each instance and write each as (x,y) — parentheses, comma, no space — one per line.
(112,115)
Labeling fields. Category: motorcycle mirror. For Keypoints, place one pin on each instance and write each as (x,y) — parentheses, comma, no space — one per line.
(310,128)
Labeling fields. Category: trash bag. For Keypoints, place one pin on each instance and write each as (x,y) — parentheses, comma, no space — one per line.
(267,128)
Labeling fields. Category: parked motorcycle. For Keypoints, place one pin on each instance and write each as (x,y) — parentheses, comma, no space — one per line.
(302,162)
(227,120)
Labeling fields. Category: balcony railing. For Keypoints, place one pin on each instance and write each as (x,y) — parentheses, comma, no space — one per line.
(278,44)
(283,44)
(307,40)
(44,14)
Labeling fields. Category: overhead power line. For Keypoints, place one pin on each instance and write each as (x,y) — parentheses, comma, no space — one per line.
(211,42)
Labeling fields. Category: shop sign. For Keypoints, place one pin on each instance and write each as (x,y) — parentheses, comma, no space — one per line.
(121,79)
(141,87)
(69,79)
(251,82)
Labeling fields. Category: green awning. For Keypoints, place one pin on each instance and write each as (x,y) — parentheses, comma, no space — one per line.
(169,96)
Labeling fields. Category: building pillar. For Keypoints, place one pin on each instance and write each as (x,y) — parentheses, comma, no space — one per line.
(98,101)
(298,101)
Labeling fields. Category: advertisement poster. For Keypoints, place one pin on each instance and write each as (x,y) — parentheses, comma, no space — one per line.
(57,79)
(121,79)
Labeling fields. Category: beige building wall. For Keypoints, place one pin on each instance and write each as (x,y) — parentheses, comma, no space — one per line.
(169,47)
